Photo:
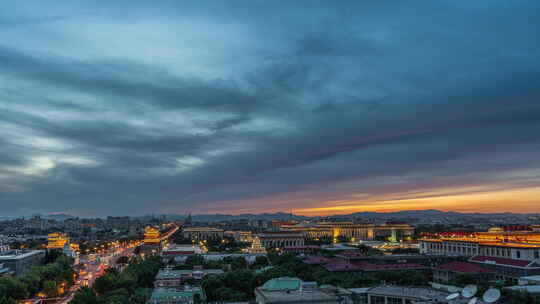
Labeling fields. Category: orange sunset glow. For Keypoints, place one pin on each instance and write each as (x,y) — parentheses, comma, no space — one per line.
(526,200)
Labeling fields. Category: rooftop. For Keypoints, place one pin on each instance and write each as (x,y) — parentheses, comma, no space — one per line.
(282,284)
(290,290)
(172,274)
(502,261)
(341,265)
(315,260)
(316,296)
(535,289)
(202,229)
(18,254)
(351,254)
(531,278)
(162,294)
(307,247)
(415,293)
(463,267)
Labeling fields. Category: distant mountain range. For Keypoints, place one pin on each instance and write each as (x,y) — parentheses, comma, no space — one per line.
(429,214)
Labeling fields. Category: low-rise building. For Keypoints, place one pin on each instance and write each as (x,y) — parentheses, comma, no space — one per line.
(20,261)
(496,242)
(202,233)
(531,289)
(339,265)
(302,249)
(292,290)
(250,258)
(4,271)
(240,236)
(448,272)
(4,247)
(280,239)
(507,269)
(176,296)
(168,278)
(529,280)
(389,294)
(182,250)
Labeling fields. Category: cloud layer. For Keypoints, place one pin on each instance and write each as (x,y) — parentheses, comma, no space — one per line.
(249,106)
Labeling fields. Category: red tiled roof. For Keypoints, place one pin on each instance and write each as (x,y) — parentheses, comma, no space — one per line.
(307,247)
(341,265)
(351,253)
(365,266)
(175,252)
(462,267)
(379,267)
(500,261)
(317,260)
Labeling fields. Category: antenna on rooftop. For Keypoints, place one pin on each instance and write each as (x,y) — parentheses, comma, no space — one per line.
(492,295)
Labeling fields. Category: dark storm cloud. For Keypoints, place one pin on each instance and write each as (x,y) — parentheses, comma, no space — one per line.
(273,99)
(126,81)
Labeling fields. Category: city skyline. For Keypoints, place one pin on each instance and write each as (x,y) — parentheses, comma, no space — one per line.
(131,108)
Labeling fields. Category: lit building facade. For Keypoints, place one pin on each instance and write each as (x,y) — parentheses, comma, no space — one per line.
(155,239)
(57,240)
(152,236)
(256,247)
(202,233)
(280,239)
(240,236)
(393,232)
(519,245)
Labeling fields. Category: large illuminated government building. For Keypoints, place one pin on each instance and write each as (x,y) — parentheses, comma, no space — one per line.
(390,231)
(522,244)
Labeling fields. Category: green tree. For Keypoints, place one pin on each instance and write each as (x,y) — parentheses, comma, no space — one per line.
(464,279)
(33,282)
(241,280)
(85,295)
(105,284)
(260,262)
(50,289)
(140,296)
(13,288)
(6,300)
(210,285)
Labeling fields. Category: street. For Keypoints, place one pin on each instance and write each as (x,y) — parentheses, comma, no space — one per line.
(94,270)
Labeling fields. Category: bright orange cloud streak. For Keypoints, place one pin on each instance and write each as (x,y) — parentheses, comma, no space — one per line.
(515,200)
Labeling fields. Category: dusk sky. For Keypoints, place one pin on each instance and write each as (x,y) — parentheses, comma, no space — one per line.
(319,107)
